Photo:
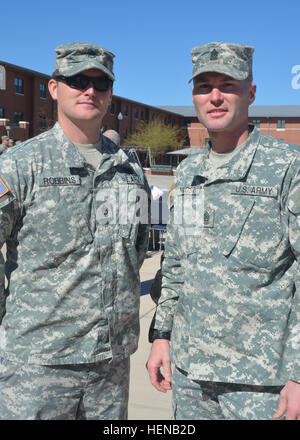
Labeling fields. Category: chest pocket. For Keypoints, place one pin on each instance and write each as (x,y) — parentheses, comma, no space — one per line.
(58,220)
(238,221)
(254,233)
(120,208)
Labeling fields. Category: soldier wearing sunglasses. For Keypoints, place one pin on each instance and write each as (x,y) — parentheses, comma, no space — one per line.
(69,316)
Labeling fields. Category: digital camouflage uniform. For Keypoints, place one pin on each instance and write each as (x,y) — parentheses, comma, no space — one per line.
(73,273)
(3,147)
(231,283)
(76,238)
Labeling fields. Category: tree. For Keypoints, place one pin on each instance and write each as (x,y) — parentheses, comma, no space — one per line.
(158,137)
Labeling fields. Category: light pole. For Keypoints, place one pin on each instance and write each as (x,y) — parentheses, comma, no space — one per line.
(8,127)
(120,117)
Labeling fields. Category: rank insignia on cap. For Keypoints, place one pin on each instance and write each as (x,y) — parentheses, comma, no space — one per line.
(3,188)
(214,55)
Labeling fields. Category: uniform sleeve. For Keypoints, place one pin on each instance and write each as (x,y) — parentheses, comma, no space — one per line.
(8,215)
(172,280)
(293,340)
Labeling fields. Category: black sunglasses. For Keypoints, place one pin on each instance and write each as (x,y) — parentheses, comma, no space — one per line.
(80,81)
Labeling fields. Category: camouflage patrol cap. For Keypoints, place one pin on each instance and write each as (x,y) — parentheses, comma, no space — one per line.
(234,60)
(4,138)
(73,58)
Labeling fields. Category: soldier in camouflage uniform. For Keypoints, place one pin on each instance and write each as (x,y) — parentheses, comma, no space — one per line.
(4,144)
(229,309)
(113,136)
(74,217)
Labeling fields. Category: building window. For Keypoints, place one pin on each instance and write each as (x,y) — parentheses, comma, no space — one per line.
(112,108)
(2,112)
(42,122)
(42,90)
(19,86)
(142,115)
(256,123)
(152,116)
(281,124)
(136,113)
(18,116)
(125,110)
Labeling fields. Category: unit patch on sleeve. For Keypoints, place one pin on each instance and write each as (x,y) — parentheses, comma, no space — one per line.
(3,188)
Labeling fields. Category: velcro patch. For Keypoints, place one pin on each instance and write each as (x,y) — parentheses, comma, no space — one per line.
(129,179)
(255,190)
(59,180)
(3,188)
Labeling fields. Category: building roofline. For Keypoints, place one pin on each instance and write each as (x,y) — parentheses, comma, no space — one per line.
(24,69)
(160,108)
(288,111)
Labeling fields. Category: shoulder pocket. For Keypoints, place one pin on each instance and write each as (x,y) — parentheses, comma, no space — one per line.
(294,201)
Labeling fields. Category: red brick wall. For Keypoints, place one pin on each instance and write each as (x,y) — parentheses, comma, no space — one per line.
(29,103)
(291,133)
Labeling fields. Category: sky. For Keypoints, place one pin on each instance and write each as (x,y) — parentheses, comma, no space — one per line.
(152,41)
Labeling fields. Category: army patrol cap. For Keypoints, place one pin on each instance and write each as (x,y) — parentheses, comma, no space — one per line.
(4,138)
(234,60)
(73,58)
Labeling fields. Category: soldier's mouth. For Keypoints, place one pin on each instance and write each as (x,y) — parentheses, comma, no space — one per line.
(217,112)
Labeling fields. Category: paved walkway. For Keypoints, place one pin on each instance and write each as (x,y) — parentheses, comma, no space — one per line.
(145,402)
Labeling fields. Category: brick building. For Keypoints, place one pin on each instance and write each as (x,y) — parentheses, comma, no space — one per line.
(280,121)
(126,116)
(26,108)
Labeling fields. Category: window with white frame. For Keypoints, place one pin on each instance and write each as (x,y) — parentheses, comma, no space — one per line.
(281,124)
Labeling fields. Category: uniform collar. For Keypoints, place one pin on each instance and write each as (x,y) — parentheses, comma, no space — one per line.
(112,155)
(235,169)
(72,157)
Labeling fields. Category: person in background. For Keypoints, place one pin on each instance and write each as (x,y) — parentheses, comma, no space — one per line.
(11,143)
(113,136)
(4,144)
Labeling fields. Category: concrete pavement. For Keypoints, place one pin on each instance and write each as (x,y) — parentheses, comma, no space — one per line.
(145,402)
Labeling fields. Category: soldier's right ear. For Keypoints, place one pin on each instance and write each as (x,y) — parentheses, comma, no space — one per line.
(52,87)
